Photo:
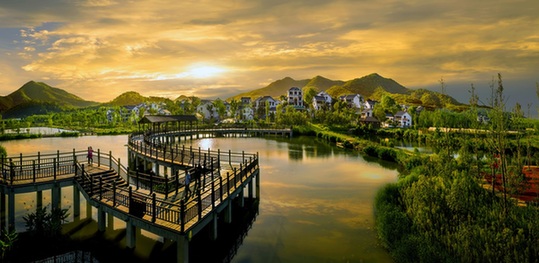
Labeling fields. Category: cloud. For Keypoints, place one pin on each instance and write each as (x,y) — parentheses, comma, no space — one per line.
(126,44)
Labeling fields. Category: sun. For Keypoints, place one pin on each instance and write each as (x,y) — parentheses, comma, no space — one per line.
(205,71)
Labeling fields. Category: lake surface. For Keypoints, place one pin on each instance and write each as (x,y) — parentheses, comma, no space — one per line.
(316,199)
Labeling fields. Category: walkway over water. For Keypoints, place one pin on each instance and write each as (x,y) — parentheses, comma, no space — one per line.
(149,193)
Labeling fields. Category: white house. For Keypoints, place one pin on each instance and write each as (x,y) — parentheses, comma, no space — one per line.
(326,96)
(369,104)
(245,100)
(207,109)
(295,97)
(366,113)
(353,100)
(320,100)
(403,119)
(247,113)
(261,102)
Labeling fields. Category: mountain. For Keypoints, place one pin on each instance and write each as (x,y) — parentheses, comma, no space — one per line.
(127,98)
(40,95)
(274,89)
(320,83)
(367,86)
(372,86)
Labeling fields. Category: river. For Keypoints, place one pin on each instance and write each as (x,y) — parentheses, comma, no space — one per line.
(316,199)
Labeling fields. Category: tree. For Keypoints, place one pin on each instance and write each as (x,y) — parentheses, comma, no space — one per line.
(234,106)
(220,106)
(309,95)
(389,104)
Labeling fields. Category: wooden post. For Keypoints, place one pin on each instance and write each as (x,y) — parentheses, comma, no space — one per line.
(182,216)
(34,171)
(199,204)
(100,187)
(136,174)
(114,193)
(110,159)
(11,170)
(221,189)
(98,157)
(154,208)
(151,182)
(54,161)
(166,185)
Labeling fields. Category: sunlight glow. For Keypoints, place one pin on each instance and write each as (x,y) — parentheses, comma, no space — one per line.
(204,71)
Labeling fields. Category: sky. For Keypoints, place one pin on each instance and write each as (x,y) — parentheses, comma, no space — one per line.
(99,49)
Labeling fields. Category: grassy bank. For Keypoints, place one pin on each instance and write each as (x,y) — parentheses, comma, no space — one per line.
(438,211)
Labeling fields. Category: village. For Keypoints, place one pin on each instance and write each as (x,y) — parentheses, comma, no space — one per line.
(264,107)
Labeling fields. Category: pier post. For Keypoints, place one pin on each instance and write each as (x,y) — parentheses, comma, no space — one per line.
(2,209)
(101,221)
(39,199)
(182,245)
(76,202)
(11,209)
(56,196)
(241,197)
(110,222)
(257,185)
(228,212)
(250,188)
(130,235)
(88,210)
(214,227)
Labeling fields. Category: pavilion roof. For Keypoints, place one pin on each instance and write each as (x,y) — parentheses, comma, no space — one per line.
(167,118)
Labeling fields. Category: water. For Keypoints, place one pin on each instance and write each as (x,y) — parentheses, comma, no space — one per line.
(316,199)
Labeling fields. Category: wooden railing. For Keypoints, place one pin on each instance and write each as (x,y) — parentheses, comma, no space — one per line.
(140,205)
(42,167)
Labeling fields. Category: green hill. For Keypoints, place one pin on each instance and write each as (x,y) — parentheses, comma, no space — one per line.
(38,94)
(274,89)
(367,85)
(127,98)
(372,86)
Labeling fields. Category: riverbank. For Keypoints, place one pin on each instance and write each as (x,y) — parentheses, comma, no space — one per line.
(438,210)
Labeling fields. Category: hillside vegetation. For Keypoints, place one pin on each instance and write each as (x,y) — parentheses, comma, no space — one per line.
(40,98)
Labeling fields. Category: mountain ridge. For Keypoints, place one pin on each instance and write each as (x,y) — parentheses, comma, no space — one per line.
(38,97)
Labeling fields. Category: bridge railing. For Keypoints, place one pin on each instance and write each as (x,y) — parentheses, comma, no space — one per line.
(30,168)
(140,205)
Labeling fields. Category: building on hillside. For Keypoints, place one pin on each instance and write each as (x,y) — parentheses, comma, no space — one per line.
(135,112)
(261,102)
(247,112)
(353,100)
(320,100)
(245,100)
(295,97)
(260,106)
(365,113)
(207,110)
(369,104)
(370,121)
(403,119)
(326,96)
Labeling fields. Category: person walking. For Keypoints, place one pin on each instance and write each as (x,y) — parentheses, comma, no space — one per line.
(90,155)
(187,181)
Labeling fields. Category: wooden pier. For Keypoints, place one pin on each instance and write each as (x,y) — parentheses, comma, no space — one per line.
(149,193)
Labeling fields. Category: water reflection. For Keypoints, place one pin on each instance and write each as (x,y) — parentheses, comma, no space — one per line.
(316,199)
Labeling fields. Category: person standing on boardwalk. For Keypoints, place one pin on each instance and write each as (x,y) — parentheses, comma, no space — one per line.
(90,155)
(187,181)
